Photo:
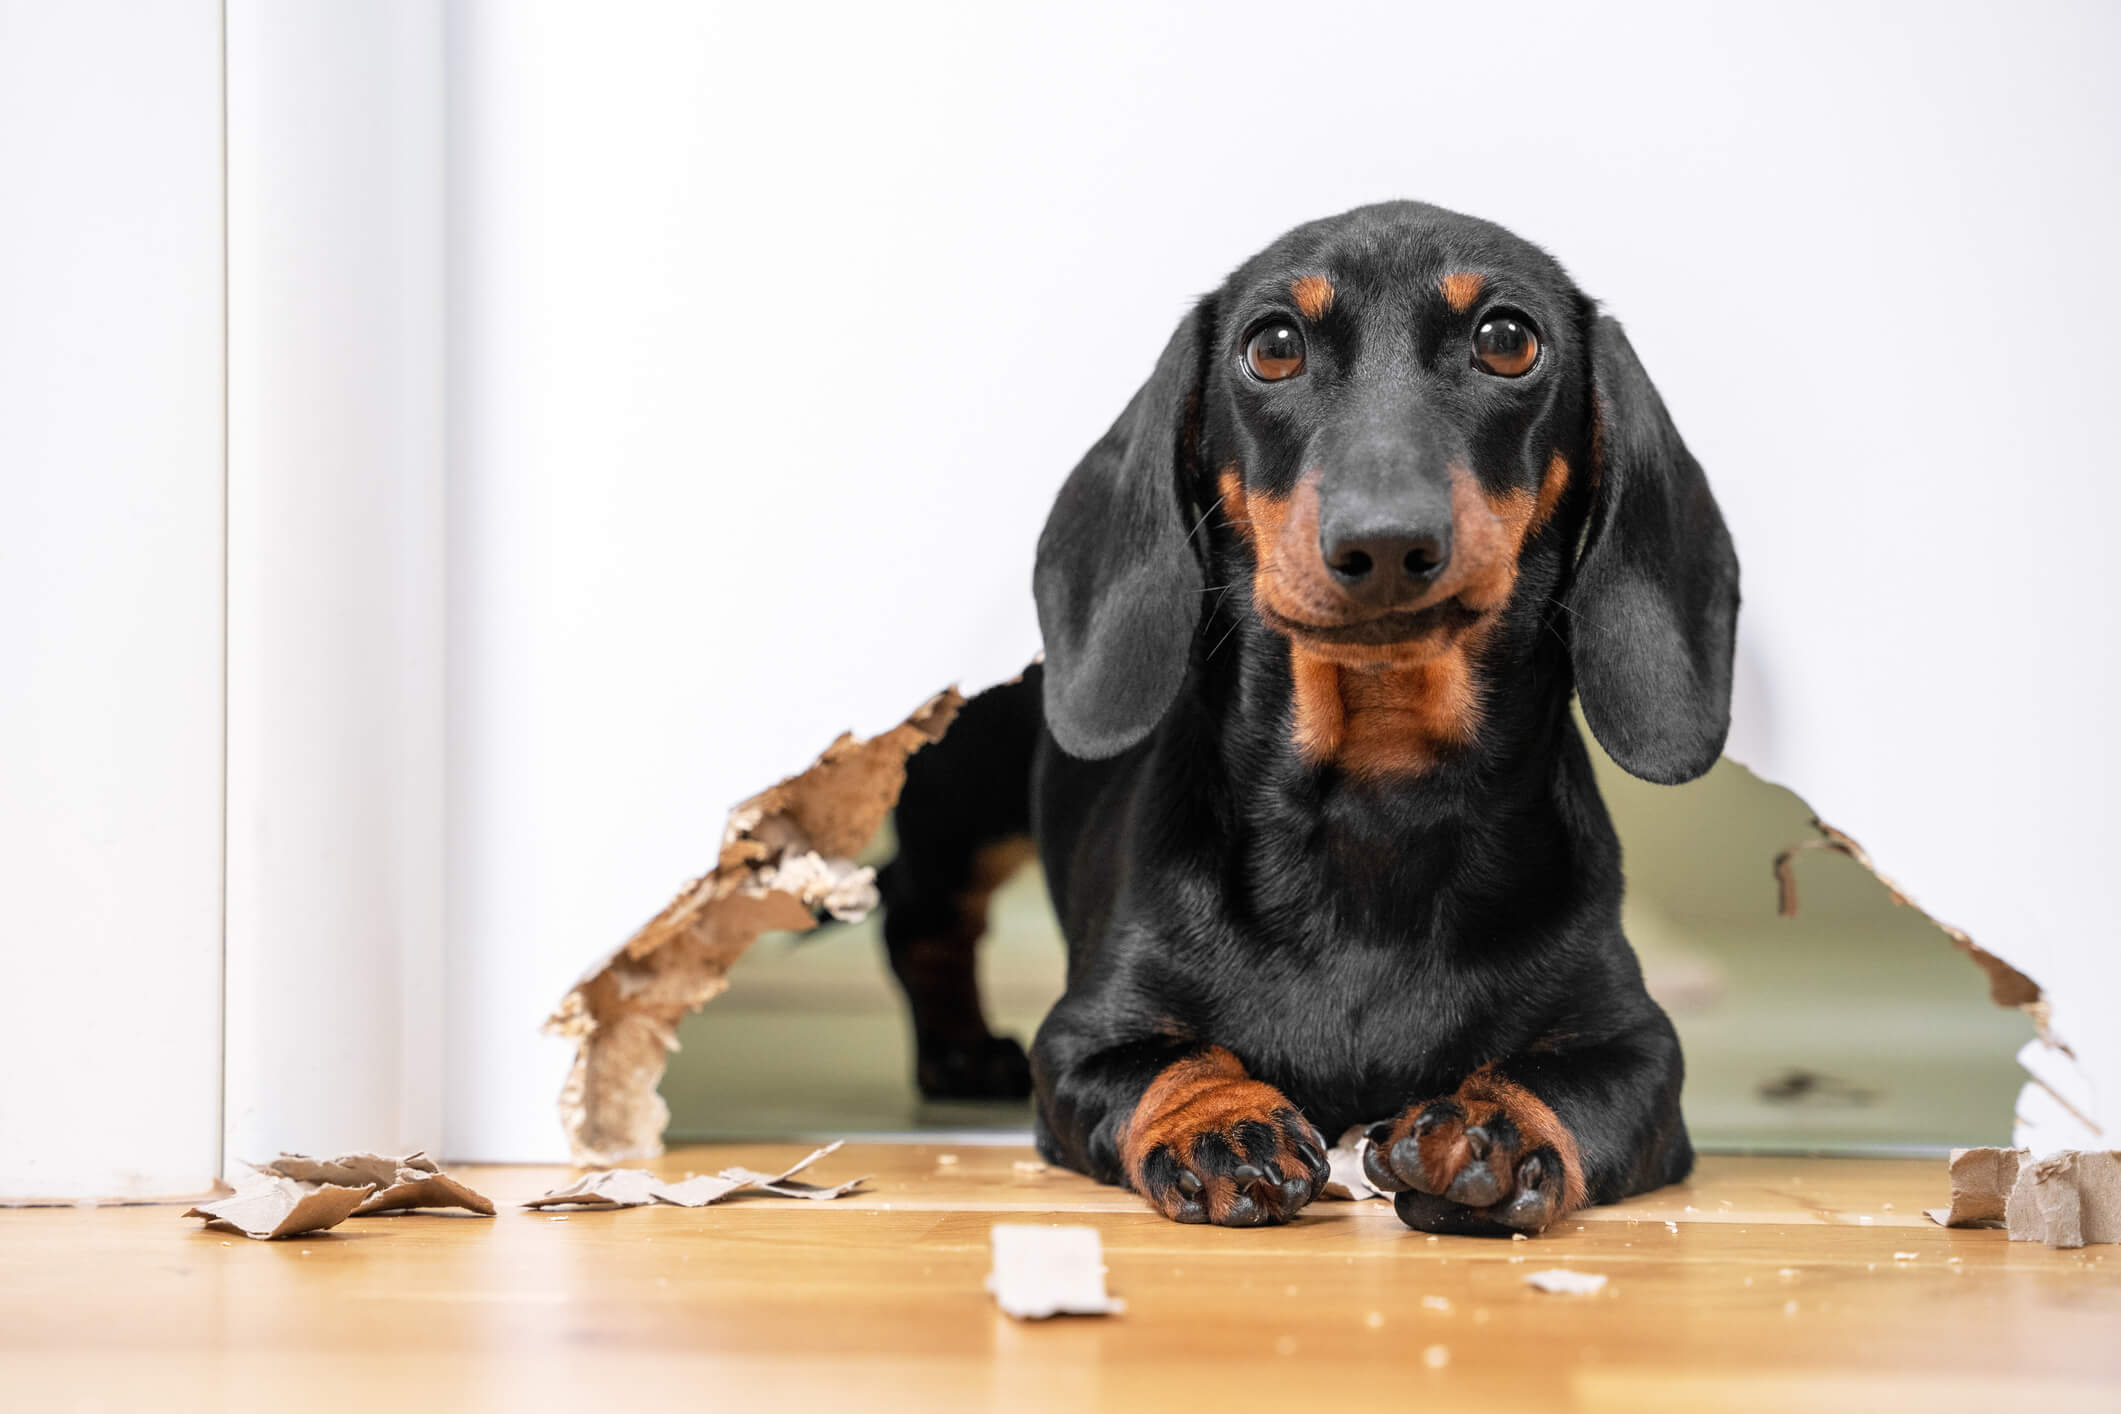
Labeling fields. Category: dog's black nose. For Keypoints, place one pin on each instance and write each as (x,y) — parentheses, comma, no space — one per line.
(1385,565)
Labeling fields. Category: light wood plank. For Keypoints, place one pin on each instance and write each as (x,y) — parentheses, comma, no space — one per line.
(1771,1294)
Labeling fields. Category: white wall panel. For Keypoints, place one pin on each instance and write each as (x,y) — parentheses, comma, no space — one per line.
(110,597)
(335,576)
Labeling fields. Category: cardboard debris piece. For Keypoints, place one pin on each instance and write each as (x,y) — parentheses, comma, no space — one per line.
(2066,1199)
(401,1185)
(787,855)
(637,1188)
(268,1206)
(1567,1283)
(1981,1185)
(1344,1175)
(1049,1271)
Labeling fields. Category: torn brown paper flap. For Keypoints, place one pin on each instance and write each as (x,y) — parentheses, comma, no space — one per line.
(787,855)
(1049,1271)
(634,1188)
(270,1206)
(401,1185)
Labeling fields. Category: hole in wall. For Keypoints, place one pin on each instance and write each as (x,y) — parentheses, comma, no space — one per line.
(1853,1027)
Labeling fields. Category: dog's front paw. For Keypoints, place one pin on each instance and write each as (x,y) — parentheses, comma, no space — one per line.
(1207,1144)
(1488,1161)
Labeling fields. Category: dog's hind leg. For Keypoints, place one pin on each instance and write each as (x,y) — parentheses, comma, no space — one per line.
(963,824)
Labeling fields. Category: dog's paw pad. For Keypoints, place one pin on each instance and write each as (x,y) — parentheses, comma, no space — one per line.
(1473,1163)
(1245,1161)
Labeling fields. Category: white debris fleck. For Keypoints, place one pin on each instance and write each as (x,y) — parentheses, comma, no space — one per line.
(1375,1320)
(1565,1282)
(1436,1356)
(1437,1303)
(1907,1256)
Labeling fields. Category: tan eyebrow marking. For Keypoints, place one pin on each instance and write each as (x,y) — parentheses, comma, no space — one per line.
(1313,295)
(1460,290)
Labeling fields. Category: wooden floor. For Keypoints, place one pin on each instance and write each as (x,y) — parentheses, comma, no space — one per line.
(1770,1284)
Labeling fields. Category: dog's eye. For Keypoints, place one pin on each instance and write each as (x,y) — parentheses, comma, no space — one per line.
(1276,352)
(1505,345)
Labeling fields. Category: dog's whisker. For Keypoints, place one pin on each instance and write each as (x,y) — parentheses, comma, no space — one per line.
(1213,507)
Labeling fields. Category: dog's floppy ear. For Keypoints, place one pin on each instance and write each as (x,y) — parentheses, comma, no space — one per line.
(1654,602)
(1118,584)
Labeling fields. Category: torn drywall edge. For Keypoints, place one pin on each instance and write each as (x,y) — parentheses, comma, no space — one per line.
(2008,987)
(787,855)
(2056,1109)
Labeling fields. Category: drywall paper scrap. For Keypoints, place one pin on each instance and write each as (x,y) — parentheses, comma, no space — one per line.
(787,855)
(635,1188)
(268,1206)
(712,1188)
(402,1185)
(1568,1283)
(606,1188)
(1049,1271)
(1344,1175)
(2067,1199)
(699,1191)
(1981,1183)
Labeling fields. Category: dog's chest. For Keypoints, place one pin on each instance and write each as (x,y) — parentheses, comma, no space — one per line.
(1345,1027)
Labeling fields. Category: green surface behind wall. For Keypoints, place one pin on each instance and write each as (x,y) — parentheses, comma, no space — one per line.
(1855,1026)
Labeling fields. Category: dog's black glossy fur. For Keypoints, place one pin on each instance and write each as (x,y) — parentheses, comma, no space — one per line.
(1272,939)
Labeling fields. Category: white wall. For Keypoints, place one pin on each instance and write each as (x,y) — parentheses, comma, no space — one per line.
(335,676)
(110,597)
(773,331)
(768,336)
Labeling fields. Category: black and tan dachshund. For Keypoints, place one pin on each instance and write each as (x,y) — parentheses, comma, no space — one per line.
(1299,761)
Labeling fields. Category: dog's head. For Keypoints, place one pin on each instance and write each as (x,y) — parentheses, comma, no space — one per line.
(1413,425)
